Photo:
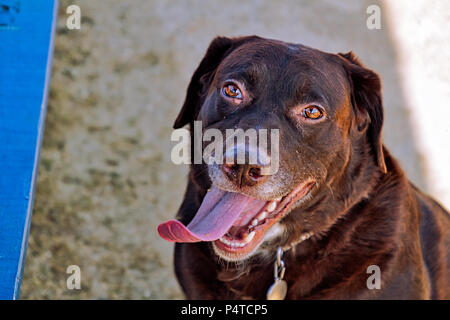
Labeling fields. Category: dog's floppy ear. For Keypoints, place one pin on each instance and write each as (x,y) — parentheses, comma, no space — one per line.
(218,49)
(365,86)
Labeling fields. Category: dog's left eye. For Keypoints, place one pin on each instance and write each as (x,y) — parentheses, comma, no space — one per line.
(232,91)
(312,112)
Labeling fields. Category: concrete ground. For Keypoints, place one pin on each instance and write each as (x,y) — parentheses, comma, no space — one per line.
(106,180)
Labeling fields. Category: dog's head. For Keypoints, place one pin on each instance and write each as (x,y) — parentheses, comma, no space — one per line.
(326,114)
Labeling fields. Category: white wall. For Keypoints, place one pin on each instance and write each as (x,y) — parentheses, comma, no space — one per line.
(421,34)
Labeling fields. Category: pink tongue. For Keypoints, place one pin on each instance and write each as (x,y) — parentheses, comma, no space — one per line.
(217,213)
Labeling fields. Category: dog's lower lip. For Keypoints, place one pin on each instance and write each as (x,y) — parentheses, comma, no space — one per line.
(253,235)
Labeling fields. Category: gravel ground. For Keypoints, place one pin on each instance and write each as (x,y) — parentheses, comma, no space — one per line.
(105,179)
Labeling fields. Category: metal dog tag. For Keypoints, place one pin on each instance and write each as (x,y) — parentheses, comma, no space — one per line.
(277,290)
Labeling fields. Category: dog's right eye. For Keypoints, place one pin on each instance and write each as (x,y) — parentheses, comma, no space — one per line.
(231,91)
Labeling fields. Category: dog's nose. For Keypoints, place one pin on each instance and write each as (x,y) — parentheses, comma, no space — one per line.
(246,165)
(245,174)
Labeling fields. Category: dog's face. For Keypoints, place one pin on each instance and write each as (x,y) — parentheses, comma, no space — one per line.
(323,106)
(301,92)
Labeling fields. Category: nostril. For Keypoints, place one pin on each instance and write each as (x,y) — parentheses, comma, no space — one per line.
(244,175)
(255,173)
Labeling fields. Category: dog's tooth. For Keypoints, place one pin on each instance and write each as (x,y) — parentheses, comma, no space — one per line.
(262,215)
(225,241)
(254,222)
(278,199)
(249,237)
(272,206)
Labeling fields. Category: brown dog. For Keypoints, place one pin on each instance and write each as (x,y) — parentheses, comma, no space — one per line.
(338,204)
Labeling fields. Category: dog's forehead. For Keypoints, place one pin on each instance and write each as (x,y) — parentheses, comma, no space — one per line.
(290,66)
(274,54)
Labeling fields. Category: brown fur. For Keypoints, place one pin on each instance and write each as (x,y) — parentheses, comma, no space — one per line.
(363,212)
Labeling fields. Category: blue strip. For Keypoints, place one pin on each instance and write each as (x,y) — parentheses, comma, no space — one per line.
(26,36)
